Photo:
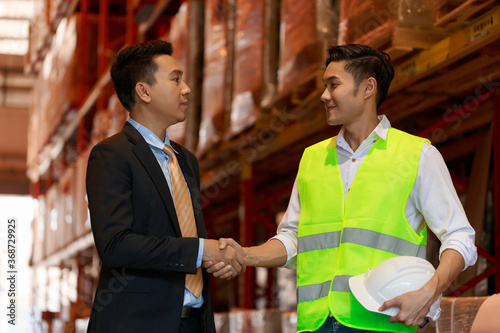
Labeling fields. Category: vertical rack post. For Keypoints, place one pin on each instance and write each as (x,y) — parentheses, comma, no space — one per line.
(496,180)
(247,279)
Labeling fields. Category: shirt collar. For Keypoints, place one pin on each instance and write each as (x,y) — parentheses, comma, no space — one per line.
(378,132)
(152,139)
(383,127)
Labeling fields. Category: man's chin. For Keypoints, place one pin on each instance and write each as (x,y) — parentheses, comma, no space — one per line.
(333,122)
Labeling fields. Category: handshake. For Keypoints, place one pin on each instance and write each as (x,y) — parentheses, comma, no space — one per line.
(225,258)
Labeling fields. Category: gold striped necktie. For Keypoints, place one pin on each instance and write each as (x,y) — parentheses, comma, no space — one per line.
(185,215)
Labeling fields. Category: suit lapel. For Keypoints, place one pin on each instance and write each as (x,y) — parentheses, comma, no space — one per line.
(149,162)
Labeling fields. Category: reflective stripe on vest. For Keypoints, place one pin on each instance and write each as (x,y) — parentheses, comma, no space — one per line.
(318,241)
(363,237)
(340,238)
(315,291)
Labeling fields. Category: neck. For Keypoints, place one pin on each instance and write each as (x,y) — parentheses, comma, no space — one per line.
(154,126)
(356,133)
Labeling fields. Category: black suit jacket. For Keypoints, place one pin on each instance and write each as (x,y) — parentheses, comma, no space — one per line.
(144,257)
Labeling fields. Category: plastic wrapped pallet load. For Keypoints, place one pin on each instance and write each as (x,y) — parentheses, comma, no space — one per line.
(221,322)
(458,313)
(215,66)
(80,204)
(51,93)
(39,226)
(179,37)
(57,86)
(248,65)
(307,28)
(289,322)
(118,115)
(51,222)
(255,321)
(66,215)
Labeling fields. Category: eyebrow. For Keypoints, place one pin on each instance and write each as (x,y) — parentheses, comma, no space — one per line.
(176,71)
(331,78)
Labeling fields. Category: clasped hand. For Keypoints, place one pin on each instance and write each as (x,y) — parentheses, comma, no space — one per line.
(224,258)
(413,305)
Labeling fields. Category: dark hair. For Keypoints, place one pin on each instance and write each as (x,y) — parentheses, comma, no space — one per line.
(364,62)
(134,64)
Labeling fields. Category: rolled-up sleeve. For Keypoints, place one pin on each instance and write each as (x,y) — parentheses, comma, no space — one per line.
(437,200)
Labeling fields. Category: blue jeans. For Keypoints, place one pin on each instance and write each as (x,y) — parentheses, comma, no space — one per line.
(333,326)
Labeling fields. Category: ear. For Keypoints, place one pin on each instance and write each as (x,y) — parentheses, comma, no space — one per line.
(370,88)
(142,91)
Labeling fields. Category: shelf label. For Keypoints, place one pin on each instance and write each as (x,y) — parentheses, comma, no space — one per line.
(410,68)
(481,28)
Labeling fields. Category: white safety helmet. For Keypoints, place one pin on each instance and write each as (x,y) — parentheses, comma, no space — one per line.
(391,278)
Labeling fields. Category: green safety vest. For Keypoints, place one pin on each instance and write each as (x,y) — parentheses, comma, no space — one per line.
(337,241)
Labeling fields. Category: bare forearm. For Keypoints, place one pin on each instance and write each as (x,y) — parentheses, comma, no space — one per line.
(270,254)
(450,266)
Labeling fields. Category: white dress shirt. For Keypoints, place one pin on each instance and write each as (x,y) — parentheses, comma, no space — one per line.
(432,198)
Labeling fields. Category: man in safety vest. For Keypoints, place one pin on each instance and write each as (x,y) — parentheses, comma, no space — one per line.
(362,197)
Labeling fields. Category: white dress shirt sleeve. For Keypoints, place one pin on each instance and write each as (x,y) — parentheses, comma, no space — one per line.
(288,228)
(436,198)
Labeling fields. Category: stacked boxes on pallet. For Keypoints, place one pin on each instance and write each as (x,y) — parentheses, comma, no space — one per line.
(261,321)
(214,74)
(303,41)
(38,230)
(179,37)
(66,219)
(57,84)
(458,313)
(52,241)
(248,65)
(82,216)
(264,321)
(397,26)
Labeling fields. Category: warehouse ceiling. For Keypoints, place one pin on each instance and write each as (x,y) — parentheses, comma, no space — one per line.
(15,94)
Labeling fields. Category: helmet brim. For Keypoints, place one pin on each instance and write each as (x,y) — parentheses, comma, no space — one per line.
(357,286)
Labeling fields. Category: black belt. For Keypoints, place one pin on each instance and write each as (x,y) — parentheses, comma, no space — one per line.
(189,312)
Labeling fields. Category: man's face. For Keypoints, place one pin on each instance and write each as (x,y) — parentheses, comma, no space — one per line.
(343,103)
(169,96)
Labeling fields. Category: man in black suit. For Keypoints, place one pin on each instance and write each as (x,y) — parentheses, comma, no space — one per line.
(137,218)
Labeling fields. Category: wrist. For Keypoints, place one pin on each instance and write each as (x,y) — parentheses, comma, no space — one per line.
(208,246)
(432,287)
(250,257)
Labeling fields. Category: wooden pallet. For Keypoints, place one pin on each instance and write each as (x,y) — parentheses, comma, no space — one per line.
(455,13)
(451,80)
(403,105)
(310,83)
(399,40)
(479,34)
